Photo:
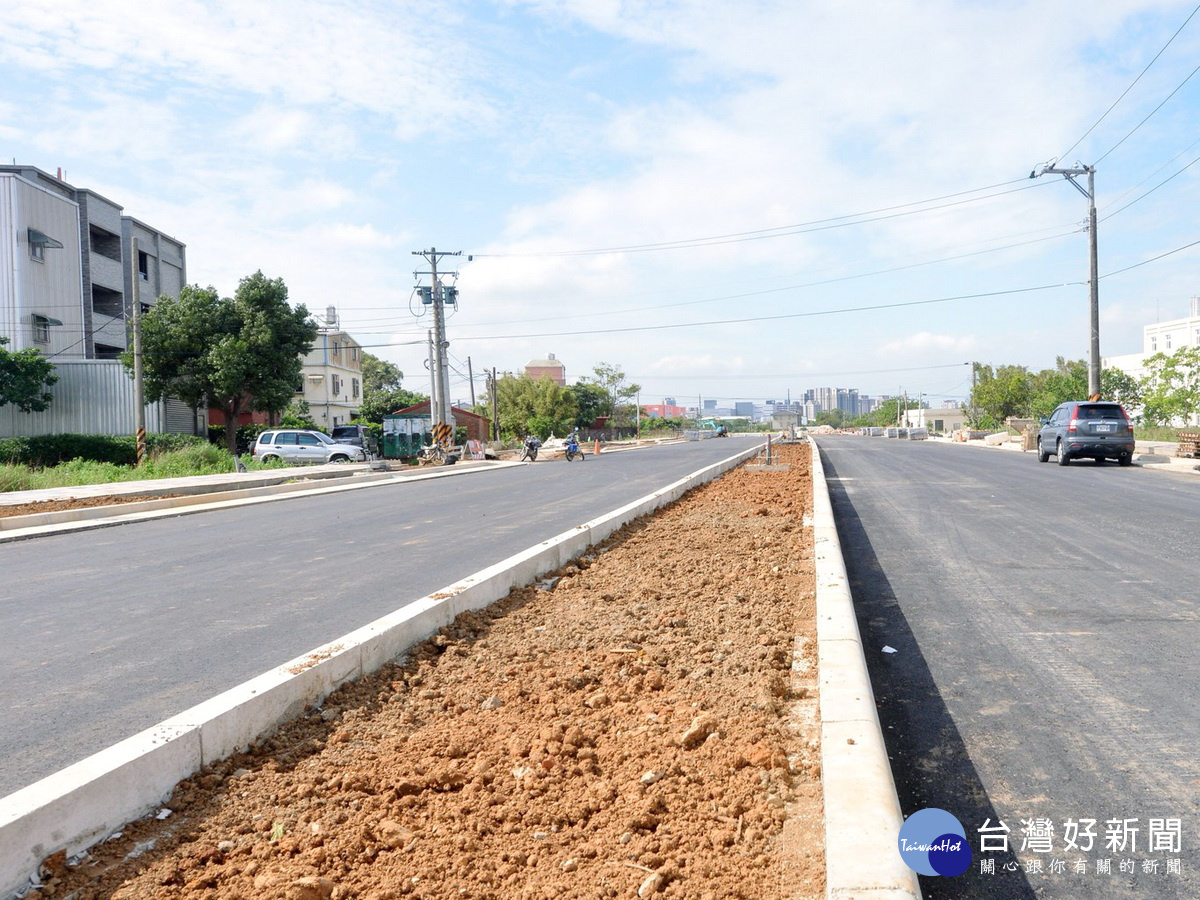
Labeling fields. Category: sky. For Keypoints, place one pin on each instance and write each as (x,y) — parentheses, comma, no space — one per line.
(724,199)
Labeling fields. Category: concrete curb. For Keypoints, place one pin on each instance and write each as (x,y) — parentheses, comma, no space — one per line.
(862,813)
(80,805)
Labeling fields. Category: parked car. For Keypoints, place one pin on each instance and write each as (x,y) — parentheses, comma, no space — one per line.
(1077,429)
(358,436)
(297,445)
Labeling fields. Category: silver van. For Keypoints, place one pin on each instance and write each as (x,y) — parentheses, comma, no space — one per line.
(296,445)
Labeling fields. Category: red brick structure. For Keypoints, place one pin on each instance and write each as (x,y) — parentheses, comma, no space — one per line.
(547,368)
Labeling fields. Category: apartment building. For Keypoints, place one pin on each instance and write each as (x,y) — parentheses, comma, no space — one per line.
(332,382)
(67,267)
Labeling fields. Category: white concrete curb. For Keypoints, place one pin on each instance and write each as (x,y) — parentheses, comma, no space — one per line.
(862,814)
(83,803)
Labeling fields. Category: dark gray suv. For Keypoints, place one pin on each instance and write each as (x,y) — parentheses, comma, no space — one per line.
(1094,429)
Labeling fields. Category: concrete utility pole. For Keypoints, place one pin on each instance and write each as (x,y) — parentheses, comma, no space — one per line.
(1094,275)
(139,402)
(440,404)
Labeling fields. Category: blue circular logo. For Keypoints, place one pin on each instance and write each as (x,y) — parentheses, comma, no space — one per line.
(933,842)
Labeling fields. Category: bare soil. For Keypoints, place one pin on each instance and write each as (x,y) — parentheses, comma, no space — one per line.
(641,723)
(45,506)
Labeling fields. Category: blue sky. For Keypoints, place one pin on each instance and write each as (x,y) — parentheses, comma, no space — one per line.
(727,199)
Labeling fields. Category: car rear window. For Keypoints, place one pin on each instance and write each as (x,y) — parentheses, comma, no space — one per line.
(345,432)
(1100,411)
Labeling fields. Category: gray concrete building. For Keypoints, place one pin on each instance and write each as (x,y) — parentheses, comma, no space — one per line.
(80,264)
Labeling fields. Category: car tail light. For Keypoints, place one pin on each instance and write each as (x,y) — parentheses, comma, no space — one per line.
(1071,427)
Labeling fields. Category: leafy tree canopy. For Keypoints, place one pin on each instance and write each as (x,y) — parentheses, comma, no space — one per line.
(24,377)
(1170,388)
(592,401)
(612,379)
(534,406)
(380,375)
(231,354)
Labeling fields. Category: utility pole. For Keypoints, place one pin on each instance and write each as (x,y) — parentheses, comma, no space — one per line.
(1093,258)
(495,408)
(441,412)
(139,403)
(471,380)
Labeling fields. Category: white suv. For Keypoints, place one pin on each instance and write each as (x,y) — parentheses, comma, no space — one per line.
(296,446)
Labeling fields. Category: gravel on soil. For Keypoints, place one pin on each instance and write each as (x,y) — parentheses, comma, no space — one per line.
(640,723)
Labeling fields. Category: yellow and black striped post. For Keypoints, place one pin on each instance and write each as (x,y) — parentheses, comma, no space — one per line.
(141,445)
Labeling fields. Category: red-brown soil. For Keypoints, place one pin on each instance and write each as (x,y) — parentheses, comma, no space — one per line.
(44,506)
(641,723)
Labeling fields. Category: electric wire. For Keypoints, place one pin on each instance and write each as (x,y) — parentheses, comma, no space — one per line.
(1131,86)
(779,231)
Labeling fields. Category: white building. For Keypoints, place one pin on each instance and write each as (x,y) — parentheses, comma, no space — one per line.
(332,376)
(1161,337)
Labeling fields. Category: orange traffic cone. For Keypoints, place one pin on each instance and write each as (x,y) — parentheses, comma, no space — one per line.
(596,451)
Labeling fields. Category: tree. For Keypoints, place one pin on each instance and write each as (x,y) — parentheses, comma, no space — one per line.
(379,375)
(234,354)
(534,406)
(382,393)
(1068,380)
(24,377)
(592,401)
(377,404)
(612,380)
(1001,393)
(1171,387)
(1121,387)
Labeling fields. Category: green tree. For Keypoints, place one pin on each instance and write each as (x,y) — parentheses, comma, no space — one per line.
(24,377)
(380,375)
(1002,392)
(1171,387)
(1121,387)
(617,391)
(1068,380)
(592,401)
(382,393)
(377,404)
(231,354)
(534,406)
(835,418)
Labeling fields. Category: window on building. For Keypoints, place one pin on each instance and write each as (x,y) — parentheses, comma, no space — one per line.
(1153,344)
(41,329)
(354,388)
(337,385)
(1167,341)
(37,251)
(143,265)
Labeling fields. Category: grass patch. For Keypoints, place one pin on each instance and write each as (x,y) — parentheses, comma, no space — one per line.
(194,459)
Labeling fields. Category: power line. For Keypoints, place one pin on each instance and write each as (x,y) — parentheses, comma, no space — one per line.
(826,312)
(1151,113)
(1131,86)
(780,231)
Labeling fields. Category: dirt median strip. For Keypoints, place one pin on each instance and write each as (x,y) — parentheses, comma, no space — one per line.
(642,720)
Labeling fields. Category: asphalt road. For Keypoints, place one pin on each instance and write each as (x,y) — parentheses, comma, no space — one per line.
(104,633)
(1044,622)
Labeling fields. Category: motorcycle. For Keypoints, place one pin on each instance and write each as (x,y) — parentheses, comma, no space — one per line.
(573,451)
(529,449)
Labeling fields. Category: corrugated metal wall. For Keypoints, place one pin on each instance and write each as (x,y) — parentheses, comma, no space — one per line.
(94,396)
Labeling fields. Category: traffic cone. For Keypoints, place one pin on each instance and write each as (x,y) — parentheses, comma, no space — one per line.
(596,451)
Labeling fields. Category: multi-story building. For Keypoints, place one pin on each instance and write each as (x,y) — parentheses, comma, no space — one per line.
(68,278)
(71,252)
(332,376)
(1160,337)
(547,368)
